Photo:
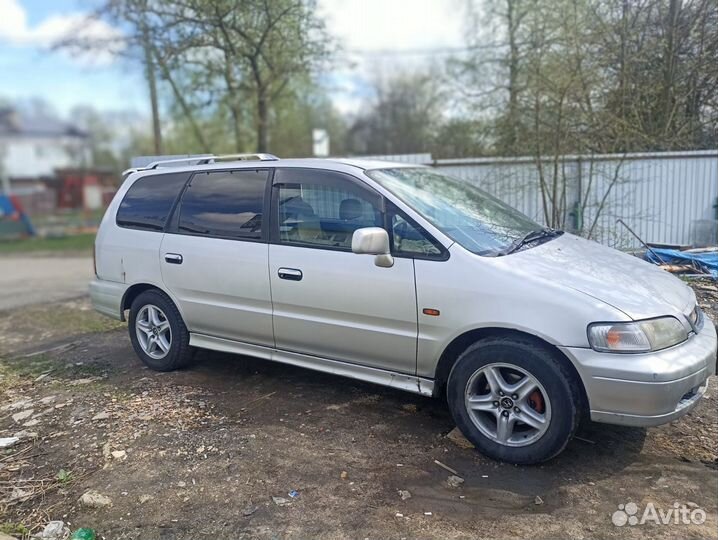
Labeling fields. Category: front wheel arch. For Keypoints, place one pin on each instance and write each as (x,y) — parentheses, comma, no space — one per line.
(462,342)
(499,413)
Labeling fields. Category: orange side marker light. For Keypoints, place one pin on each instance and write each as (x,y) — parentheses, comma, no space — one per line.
(613,338)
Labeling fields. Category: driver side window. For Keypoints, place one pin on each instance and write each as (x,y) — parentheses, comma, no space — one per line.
(323,214)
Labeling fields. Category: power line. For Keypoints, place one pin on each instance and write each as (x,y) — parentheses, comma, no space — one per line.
(431,51)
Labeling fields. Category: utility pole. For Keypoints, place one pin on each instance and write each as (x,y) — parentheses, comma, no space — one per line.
(152,83)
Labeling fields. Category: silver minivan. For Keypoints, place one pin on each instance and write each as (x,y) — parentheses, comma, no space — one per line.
(400,275)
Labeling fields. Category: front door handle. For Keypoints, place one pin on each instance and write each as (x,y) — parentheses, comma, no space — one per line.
(173,258)
(292,274)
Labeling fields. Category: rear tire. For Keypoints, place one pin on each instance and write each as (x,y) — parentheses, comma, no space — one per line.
(514,400)
(158,333)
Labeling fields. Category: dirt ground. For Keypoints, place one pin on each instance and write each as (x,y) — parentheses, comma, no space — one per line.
(24,278)
(201,453)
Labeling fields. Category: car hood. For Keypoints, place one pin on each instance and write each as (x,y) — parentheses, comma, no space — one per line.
(640,289)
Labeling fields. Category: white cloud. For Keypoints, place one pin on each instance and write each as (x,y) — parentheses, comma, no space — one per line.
(394,24)
(13,20)
(380,37)
(347,101)
(14,29)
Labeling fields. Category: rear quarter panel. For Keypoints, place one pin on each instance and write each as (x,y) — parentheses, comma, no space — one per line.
(126,255)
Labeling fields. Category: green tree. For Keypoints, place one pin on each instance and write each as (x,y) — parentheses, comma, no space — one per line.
(402,116)
(242,58)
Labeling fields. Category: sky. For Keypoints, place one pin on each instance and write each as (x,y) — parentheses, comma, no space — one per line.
(377,37)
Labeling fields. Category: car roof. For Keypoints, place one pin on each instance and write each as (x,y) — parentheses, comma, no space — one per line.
(315,163)
(367,164)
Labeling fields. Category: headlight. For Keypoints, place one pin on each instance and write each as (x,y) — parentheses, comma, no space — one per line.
(635,337)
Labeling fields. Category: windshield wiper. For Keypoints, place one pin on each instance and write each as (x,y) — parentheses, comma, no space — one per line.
(529,237)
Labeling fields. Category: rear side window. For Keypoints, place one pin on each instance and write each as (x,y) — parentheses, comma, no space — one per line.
(149,201)
(227,204)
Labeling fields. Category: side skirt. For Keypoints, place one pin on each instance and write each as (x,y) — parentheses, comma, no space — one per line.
(409,383)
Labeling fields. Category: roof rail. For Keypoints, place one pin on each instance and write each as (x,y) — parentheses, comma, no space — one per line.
(205,160)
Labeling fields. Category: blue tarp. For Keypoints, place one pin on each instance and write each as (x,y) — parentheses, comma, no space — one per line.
(707,261)
(13,221)
(7,208)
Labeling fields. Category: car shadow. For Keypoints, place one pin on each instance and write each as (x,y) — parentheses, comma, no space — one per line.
(388,439)
(598,450)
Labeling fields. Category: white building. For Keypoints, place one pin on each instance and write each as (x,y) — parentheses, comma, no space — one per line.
(33,147)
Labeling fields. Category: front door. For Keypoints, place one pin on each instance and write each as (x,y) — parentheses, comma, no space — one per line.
(327,301)
(214,256)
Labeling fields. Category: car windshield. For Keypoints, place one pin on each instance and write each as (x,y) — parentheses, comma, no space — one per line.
(468,215)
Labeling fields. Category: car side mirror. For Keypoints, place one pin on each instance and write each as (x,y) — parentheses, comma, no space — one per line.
(373,241)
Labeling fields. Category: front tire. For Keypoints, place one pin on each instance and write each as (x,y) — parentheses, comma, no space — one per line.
(158,333)
(514,400)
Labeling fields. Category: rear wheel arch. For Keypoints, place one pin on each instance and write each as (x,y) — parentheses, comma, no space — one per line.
(462,342)
(158,332)
(131,293)
(137,289)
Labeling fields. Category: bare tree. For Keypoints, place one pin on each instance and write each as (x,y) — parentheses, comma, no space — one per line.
(219,57)
(253,50)
(134,44)
(592,77)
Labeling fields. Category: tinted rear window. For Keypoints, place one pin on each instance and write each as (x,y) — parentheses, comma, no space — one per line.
(227,204)
(149,200)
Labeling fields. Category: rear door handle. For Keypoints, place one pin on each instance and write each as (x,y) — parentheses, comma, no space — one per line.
(173,258)
(292,274)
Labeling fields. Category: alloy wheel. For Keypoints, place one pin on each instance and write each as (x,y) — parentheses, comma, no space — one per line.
(153,331)
(508,404)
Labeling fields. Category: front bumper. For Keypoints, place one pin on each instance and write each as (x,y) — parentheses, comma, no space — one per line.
(647,389)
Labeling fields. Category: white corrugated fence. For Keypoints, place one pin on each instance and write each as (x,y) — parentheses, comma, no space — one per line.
(666,197)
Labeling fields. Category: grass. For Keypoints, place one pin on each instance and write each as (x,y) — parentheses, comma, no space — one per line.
(59,321)
(77,242)
(67,319)
(20,372)
(68,218)
(14,529)
(27,368)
